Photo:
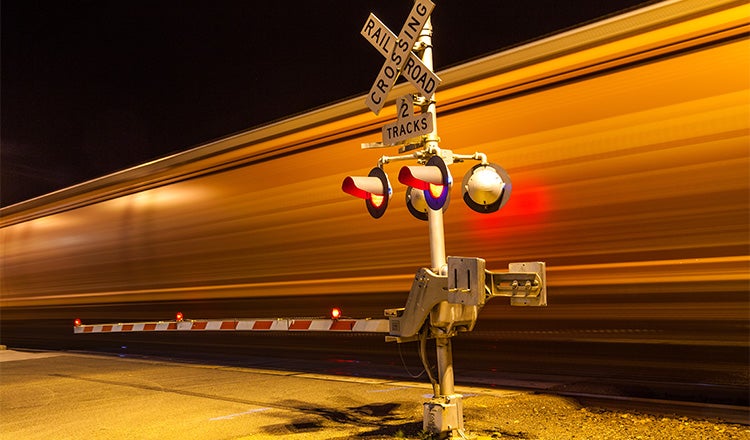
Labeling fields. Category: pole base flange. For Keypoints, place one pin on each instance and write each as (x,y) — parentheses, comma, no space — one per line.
(444,416)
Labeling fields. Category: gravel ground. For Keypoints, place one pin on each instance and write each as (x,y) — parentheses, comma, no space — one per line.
(533,416)
(544,417)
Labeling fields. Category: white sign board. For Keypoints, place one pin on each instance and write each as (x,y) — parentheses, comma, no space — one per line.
(414,70)
(405,106)
(378,35)
(399,55)
(407,128)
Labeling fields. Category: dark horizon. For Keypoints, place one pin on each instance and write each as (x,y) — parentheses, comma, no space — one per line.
(94,87)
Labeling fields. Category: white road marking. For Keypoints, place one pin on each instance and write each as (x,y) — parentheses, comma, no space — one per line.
(386,390)
(231,416)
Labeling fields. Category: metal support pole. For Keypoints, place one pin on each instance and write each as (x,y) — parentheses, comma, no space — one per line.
(434,217)
(425,43)
(437,241)
(435,221)
(445,365)
(443,415)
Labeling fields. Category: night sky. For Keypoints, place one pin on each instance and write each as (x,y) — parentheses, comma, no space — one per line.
(93,87)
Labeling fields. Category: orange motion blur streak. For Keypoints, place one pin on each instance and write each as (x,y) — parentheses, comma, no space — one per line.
(633,175)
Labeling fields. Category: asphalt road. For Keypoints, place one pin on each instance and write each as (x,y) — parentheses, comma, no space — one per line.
(57,395)
(72,395)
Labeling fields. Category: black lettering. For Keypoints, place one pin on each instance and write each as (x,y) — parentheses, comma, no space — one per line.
(422,80)
(381,86)
(396,58)
(412,24)
(409,64)
(421,9)
(368,26)
(386,43)
(372,98)
(389,72)
(429,87)
(416,72)
(403,46)
(404,113)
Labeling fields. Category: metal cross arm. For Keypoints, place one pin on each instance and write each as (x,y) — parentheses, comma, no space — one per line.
(524,283)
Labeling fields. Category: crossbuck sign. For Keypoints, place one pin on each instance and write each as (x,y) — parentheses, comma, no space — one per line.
(399,55)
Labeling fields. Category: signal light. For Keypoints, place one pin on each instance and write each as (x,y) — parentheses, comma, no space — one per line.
(335,313)
(417,204)
(77,322)
(375,189)
(179,317)
(486,188)
(433,179)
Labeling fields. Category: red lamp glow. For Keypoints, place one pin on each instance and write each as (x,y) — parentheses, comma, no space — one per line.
(374,189)
(335,313)
(433,178)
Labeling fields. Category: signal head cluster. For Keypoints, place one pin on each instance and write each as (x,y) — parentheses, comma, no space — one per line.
(485,188)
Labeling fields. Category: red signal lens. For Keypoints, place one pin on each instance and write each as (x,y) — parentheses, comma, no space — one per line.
(374,189)
(436,190)
(377,200)
(335,313)
(179,317)
(77,322)
(433,178)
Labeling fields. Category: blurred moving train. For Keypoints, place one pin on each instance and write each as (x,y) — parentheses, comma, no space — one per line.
(627,141)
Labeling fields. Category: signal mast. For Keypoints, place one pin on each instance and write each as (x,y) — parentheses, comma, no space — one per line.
(446,298)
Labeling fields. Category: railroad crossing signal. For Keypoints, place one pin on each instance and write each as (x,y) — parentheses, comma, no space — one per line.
(399,55)
(446,298)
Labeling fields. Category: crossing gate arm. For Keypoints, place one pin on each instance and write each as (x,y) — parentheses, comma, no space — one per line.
(257,325)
